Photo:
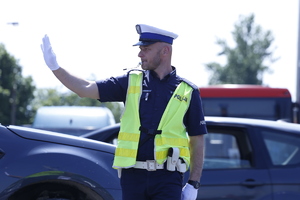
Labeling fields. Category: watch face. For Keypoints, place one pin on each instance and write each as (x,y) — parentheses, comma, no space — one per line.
(196,184)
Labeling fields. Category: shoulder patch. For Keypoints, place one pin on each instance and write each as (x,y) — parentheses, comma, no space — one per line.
(195,87)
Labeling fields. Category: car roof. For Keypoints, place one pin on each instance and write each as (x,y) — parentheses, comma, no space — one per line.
(240,90)
(281,125)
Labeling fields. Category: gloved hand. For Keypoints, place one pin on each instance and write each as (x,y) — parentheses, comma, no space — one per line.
(189,192)
(49,55)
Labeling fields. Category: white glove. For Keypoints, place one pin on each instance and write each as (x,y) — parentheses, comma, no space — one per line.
(49,55)
(189,192)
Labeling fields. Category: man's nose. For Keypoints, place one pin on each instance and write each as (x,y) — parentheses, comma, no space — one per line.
(140,54)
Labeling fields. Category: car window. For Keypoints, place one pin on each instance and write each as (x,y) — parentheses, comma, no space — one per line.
(283,148)
(222,152)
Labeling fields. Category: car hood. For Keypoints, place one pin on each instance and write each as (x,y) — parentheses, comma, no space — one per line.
(60,138)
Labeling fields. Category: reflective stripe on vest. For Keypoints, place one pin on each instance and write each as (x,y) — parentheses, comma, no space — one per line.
(173,130)
(129,135)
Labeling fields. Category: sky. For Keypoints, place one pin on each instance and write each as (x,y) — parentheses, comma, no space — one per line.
(94,38)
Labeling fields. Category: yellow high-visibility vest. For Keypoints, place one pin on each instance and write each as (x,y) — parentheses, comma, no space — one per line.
(171,124)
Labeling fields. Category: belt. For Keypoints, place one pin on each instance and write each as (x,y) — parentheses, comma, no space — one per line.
(150,165)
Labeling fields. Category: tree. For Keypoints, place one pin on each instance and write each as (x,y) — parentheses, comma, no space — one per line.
(51,97)
(16,91)
(245,62)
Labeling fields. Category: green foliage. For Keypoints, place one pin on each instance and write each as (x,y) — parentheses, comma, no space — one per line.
(245,62)
(51,97)
(16,92)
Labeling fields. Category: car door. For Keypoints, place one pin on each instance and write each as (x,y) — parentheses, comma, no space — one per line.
(283,148)
(231,167)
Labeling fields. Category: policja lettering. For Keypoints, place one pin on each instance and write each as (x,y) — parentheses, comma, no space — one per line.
(180,98)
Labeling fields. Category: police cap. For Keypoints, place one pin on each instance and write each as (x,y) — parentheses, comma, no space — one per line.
(150,35)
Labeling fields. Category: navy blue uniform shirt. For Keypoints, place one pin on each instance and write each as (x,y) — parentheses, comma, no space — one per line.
(155,97)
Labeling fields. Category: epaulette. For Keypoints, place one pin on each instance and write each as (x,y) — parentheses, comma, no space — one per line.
(194,86)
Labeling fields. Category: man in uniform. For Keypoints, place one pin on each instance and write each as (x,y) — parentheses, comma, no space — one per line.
(162,127)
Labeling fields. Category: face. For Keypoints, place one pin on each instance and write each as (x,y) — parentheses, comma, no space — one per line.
(150,56)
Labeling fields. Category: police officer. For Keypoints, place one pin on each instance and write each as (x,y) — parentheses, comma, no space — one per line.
(162,127)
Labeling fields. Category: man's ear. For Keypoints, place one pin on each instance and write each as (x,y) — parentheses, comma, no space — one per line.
(166,50)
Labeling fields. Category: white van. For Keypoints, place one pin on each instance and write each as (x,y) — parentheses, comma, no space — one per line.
(73,120)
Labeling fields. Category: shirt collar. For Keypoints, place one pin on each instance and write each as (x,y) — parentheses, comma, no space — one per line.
(167,77)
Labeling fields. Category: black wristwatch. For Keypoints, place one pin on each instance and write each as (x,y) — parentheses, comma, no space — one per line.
(195,184)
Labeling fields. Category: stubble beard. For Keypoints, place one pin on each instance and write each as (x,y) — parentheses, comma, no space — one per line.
(152,64)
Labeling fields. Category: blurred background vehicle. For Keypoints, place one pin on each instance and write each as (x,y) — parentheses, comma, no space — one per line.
(73,120)
(244,159)
(249,101)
